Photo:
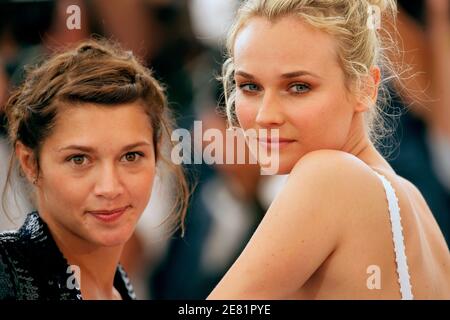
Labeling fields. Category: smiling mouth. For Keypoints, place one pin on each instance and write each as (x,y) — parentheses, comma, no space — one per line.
(109,215)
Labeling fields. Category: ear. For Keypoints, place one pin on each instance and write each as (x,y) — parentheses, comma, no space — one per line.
(27,161)
(369,90)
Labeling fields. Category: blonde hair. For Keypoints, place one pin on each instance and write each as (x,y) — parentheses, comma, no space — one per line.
(360,45)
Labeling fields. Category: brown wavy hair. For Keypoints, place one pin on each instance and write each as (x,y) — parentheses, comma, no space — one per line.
(100,72)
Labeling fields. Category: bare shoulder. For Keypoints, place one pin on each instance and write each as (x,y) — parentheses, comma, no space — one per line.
(332,187)
(413,191)
(342,184)
(305,224)
(330,161)
(335,171)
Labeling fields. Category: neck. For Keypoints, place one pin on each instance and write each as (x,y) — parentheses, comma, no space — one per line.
(359,144)
(97,264)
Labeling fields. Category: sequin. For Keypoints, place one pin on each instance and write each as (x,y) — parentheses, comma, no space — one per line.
(33,268)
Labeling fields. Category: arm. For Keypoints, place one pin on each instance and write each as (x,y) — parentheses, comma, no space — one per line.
(301,229)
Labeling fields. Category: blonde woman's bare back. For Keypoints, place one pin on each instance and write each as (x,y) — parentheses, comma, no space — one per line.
(329,236)
(366,260)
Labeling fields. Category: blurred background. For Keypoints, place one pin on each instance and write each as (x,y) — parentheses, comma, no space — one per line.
(182,42)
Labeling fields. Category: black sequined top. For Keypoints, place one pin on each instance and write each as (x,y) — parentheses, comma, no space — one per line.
(33,268)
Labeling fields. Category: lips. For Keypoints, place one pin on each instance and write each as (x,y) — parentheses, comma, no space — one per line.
(275,143)
(108,215)
(270,140)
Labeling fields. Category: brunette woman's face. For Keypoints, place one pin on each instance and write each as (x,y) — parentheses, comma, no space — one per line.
(96,172)
(288,78)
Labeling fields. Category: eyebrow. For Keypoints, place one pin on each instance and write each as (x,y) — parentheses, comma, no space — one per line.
(288,75)
(90,149)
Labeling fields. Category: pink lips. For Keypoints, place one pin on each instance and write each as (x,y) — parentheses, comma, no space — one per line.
(276,143)
(109,215)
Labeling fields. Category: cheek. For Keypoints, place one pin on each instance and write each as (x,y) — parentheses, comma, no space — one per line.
(246,112)
(307,115)
(140,185)
(59,186)
(324,121)
(66,192)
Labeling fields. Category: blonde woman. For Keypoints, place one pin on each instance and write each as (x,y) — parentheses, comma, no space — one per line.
(345,225)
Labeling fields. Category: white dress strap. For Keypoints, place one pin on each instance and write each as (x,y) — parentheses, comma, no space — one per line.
(399,244)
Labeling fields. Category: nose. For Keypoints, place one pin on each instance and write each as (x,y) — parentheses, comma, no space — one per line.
(270,114)
(108,184)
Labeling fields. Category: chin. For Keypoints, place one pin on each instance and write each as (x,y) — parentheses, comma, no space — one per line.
(112,238)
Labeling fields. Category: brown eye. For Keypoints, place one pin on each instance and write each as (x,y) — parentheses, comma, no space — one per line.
(78,160)
(131,157)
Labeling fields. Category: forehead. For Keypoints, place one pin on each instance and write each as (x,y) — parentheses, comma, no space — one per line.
(101,125)
(290,42)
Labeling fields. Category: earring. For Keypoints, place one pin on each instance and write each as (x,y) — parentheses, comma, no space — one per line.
(35,181)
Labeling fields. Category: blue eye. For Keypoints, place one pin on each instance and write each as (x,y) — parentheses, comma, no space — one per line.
(299,88)
(250,87)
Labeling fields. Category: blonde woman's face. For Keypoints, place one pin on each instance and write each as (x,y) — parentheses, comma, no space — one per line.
(288,78)
(97,170)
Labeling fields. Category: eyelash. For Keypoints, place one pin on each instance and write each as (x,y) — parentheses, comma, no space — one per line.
(307,86)
(70,159)
(242,86)
(136,153)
